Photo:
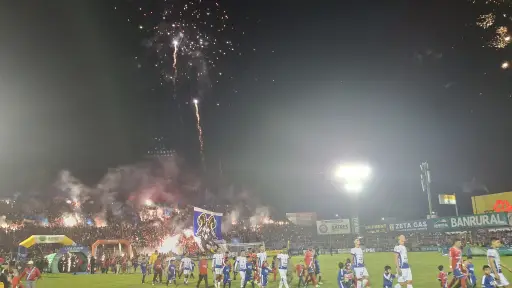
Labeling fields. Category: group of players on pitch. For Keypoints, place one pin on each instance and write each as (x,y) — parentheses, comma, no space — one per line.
(462,270)
(254,269)
(353,273)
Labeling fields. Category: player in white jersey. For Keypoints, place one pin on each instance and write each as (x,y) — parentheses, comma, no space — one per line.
(241,264)
(262,258)
(282,263)
(493,257)
(361,274)
(217,266)
(186,267)
(403,270)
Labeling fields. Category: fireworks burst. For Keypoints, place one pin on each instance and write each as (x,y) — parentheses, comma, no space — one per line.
(501,39)
(505,65)
(496,16)
(486,21)
(185,31)
(189,38)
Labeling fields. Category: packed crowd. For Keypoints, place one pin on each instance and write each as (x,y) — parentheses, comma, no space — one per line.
(151,232)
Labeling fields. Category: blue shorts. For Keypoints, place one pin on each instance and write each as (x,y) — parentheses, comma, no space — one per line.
(458,274)
(227,279)
(264,281)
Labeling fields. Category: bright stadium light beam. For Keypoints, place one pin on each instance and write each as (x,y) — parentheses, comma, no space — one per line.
(353,177)
(354,187)
(353,172)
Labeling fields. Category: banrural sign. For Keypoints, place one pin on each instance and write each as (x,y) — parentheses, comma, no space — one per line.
(470,221)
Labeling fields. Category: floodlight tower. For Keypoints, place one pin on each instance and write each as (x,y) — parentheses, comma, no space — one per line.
(425,184)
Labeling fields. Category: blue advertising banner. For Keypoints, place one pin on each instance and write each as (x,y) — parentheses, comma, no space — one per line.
(207,224)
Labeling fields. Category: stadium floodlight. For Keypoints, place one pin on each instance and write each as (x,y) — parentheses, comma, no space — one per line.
(353,172)
(352,176)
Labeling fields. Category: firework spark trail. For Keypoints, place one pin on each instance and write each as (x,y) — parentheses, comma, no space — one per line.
(176,44)
(199,130)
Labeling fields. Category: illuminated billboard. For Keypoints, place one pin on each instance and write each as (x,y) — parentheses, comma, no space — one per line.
(499,202)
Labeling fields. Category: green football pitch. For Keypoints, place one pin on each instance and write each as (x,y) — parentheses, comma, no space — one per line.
(423,265)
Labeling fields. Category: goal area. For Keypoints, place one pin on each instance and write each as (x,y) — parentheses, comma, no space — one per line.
(239,247)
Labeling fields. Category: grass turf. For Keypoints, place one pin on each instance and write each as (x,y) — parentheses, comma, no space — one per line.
(423,265)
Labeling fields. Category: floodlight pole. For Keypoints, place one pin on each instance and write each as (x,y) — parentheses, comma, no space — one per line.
(425,184)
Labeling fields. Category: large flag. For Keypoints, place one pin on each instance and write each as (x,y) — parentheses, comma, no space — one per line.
(207,224)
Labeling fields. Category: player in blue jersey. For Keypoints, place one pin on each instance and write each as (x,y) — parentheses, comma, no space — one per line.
(471,271)
(193,265)
(388,277)
(487,280)
(226,270)
(144,269)
(318,274)
(171,272)
(344,276)
(249,267)
(265,271)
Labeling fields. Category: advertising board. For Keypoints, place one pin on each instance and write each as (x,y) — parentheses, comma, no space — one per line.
(498,202)
(333,227)
(409,226)
(466,222)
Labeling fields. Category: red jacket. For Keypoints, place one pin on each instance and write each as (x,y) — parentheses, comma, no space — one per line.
(32,274)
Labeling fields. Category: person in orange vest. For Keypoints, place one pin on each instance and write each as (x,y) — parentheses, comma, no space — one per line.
(203,271)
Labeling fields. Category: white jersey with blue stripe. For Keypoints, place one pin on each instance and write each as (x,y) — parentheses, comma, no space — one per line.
(497,261)
(283,261)
(403,261)
(358,256)
(186,263)
(262,257)
(241,263)
(218,261)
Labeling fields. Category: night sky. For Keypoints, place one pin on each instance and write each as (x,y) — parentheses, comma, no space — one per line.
(307,85)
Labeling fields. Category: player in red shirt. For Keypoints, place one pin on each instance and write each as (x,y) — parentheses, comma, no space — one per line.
(456,265)
(299,268)
(310,267)
(442,277)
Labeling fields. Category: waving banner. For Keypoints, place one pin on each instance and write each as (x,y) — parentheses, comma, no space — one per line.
(207,224)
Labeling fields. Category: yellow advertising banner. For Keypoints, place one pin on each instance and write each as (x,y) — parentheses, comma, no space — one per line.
(499,202)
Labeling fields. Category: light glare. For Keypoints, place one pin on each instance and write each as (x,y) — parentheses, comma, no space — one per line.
(352,172)
(354,187)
